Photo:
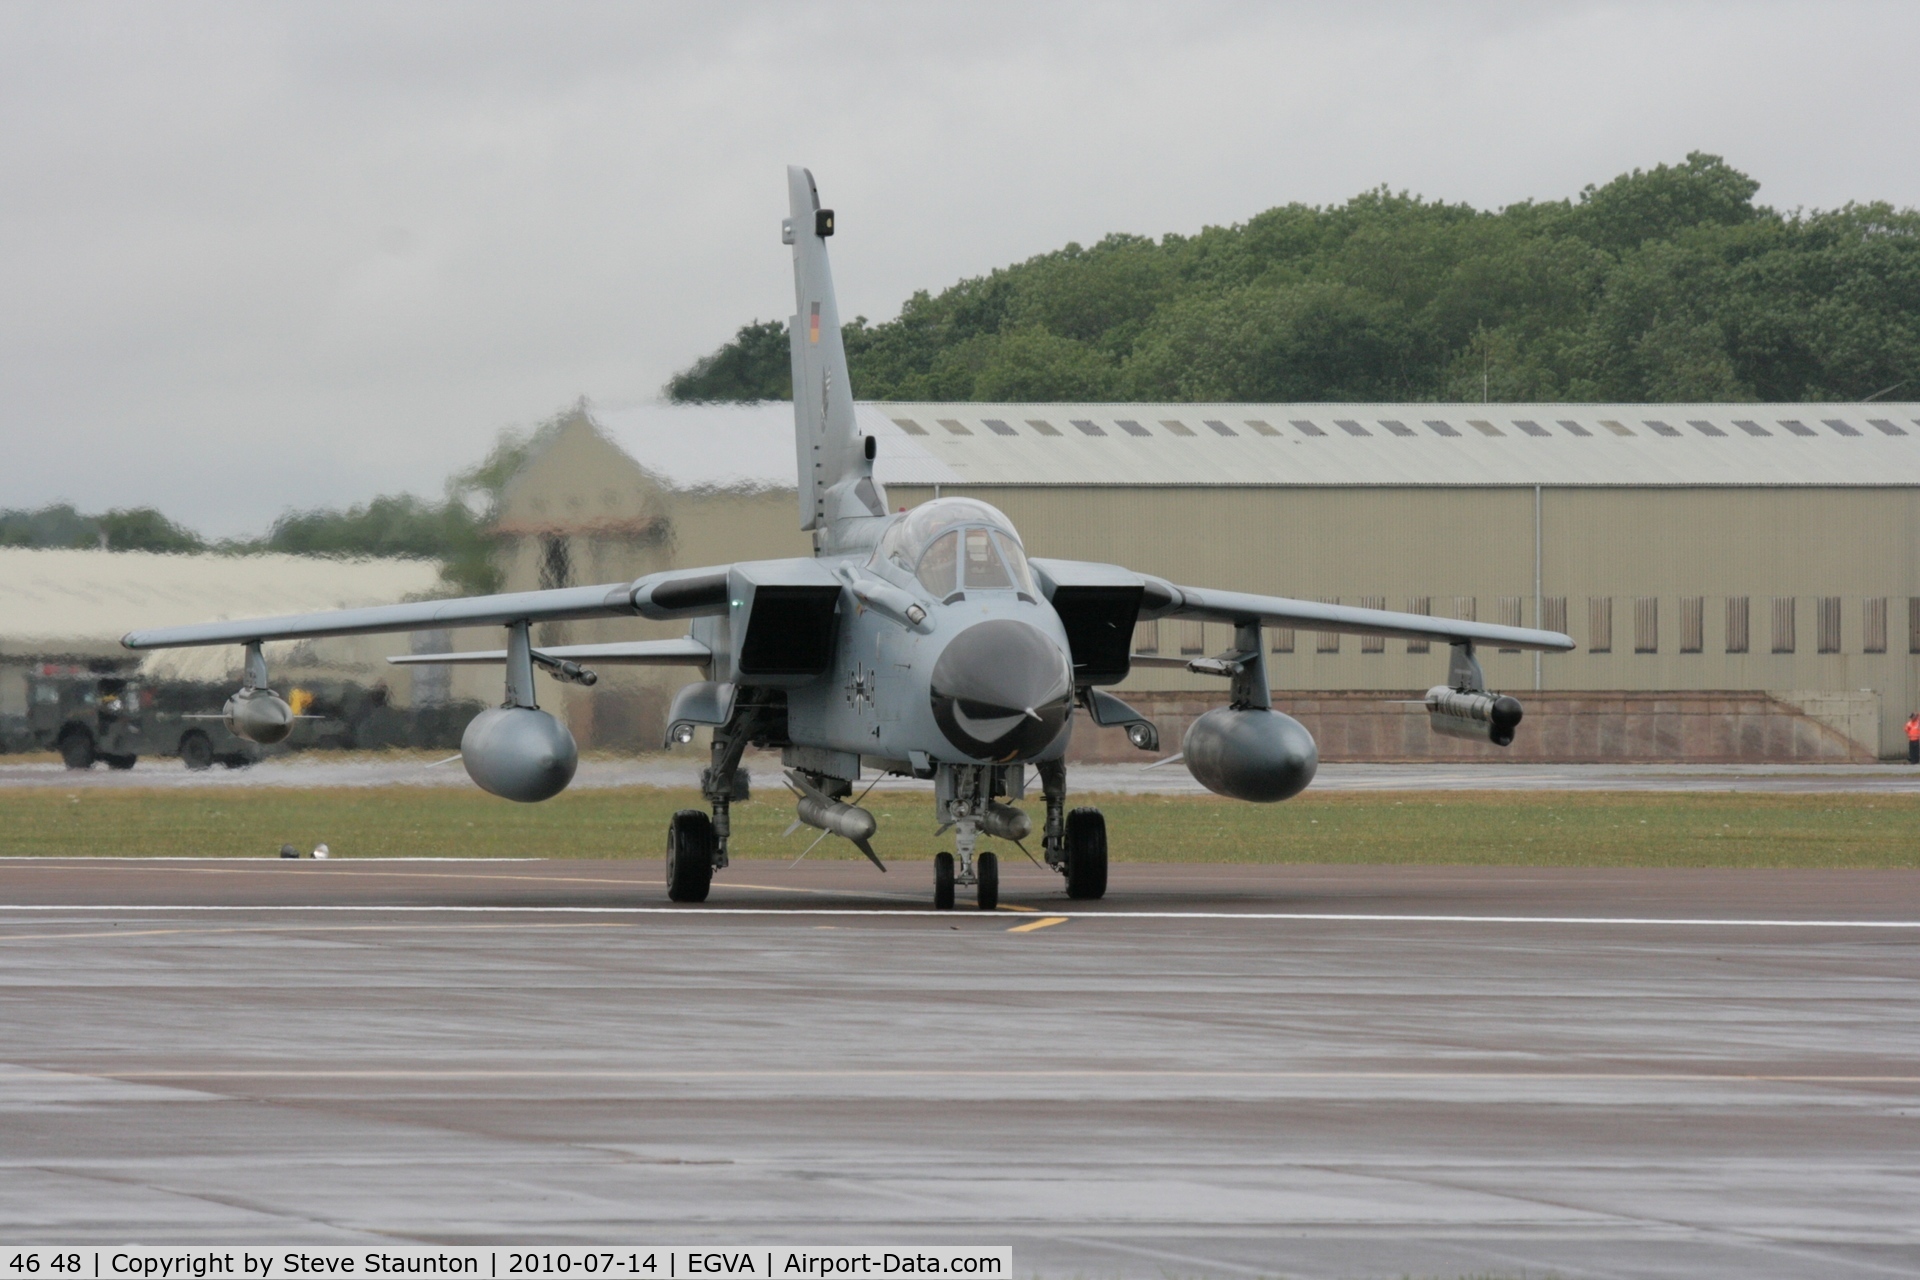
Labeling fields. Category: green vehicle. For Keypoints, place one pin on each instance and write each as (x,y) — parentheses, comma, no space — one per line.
(90,716)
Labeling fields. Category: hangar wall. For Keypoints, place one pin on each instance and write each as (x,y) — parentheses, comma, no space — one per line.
(1656,562)
(1455,550)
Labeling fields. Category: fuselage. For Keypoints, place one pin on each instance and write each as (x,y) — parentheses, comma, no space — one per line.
(985,676)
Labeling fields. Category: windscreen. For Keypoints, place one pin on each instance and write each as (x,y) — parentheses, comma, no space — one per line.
(1016,561)
(937,567)
(983,570)
(956,544)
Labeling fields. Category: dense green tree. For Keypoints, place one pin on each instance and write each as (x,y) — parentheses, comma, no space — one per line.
(144,529)
(754,366)
(1664,284)
(56,525)
(127,529)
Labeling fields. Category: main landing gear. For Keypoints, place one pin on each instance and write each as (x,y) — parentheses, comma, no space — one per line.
(1076,842)
(690,846)
(697,843)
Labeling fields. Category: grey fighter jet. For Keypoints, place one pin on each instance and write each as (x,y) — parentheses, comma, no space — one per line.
(922,643)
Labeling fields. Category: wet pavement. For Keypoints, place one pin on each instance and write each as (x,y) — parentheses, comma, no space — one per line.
(1217,1070)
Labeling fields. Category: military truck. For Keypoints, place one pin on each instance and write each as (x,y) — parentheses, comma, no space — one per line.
(112,718)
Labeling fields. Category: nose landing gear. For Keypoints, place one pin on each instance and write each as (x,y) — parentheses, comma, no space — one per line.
(983,875)
(964,797)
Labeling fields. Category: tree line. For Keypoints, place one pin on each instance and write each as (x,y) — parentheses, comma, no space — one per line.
(1669,284)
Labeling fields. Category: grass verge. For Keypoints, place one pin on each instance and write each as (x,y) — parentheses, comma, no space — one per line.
(1617,829)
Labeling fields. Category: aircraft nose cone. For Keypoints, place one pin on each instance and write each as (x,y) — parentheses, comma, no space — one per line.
(1001,690)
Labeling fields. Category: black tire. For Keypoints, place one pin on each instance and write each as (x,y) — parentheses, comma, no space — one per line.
(986,870)
(76,749)
(943,882)
(689,856)
(122,763)
(196,752)
(1086,854)
(236,762)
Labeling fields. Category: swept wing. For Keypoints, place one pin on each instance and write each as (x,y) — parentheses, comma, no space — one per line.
(1109,585)
(685,593)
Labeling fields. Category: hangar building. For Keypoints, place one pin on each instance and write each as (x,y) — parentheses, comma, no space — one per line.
(1743,580)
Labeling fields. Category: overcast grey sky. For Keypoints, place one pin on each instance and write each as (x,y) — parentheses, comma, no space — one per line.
(255,256)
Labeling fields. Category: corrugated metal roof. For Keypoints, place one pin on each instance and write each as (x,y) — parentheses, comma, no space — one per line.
(696,446)
(1302,444)
(66,597)
(1403,444)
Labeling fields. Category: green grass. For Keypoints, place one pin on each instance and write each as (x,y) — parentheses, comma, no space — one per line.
(1615,829)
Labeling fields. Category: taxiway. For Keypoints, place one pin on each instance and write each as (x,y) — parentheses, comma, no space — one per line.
(1219,1070)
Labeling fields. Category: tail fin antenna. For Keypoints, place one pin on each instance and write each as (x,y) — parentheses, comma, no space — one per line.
(835,471)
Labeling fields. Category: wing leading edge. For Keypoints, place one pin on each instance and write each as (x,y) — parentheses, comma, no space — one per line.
(683,593)
(682,652)
(1311,615)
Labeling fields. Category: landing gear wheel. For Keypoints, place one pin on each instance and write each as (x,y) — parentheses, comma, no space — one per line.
(986,870)
(76,750)
(689,856)
(1086,854)
(943,882)
(195,751)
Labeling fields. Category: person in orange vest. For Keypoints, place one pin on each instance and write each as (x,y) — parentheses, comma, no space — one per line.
(1913,738)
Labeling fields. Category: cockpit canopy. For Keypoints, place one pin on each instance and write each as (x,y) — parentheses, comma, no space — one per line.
(957,544)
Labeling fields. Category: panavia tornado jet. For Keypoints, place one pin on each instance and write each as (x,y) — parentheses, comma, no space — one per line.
(922,643)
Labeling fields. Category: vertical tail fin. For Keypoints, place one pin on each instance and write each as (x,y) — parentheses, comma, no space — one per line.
(835,473)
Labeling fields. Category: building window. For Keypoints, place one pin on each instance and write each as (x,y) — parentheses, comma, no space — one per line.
(556,562)
(1373,644)
(1327,641)
(1783,624)
(1282,640)
(1873,624)
(1146,636)
(1599,624)
(1421,605)
(1553,613)
(1736,624)
(1827,625)
(1693,624)
(1193,636)
(1509,616)
(1646,624)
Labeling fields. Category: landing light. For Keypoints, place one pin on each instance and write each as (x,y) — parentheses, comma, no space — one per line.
(1140,735)
(683,734)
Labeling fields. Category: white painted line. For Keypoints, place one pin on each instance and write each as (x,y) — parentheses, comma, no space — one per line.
(243,857)
(696,912)
(934,1073)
